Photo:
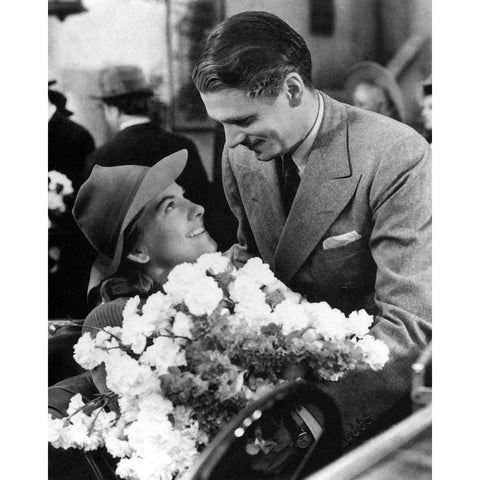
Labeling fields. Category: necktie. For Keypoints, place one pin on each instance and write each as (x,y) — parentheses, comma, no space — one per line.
(290,181)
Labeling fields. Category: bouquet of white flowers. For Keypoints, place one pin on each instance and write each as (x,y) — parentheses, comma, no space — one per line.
(194,355)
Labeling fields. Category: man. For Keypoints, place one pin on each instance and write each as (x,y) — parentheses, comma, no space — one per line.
(335,199)
(69,143)
(68,146)
(126,96)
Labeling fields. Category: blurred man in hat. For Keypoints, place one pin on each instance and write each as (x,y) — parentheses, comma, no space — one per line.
(334,198)
(69,144)
(126,96)
(372,87)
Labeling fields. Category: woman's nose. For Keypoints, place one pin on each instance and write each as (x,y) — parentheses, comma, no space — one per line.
(233,136)
(196,210)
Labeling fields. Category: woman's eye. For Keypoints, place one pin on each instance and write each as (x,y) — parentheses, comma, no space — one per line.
(170,206)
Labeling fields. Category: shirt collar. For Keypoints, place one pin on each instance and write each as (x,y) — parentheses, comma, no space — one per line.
(133,121)
(300,155)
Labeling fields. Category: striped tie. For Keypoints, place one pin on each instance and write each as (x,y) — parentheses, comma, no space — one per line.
(290,180)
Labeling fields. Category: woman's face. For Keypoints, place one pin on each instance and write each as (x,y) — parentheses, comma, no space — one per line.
(172,230)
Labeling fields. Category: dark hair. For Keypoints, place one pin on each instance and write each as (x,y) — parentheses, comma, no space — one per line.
(132,104)
(130,278)
(252,51)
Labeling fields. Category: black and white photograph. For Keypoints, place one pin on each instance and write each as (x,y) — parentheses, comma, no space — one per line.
(239,273)
(239,239)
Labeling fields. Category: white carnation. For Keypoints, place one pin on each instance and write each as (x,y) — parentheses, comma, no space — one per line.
(126,376)
(291,316)
(250,301)
(257,272)
(358,323)
(157,313)
(181,279)
(375,352)
(164,353)
(87,353)
(55,202)
(214,263)
(182,325)
(203,297)
(328,322)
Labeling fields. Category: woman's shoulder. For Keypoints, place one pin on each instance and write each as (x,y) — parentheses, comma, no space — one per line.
(105,315)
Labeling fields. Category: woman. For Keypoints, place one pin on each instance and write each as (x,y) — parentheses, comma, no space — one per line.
(140,223)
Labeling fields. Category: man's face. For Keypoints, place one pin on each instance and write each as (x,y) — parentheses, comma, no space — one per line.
(267,126)
(111,114)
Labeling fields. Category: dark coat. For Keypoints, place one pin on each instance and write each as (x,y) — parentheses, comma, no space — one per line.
(145,144)
(69,144)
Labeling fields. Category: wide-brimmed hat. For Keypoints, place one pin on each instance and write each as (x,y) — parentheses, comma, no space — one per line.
(122,81)
(111,198)
(371,72)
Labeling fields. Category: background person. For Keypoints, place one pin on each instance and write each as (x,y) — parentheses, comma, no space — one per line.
(68,146)
(126,98)
(372,87)
(335,199)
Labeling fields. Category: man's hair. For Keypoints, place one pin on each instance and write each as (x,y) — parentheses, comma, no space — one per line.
(133,104)
(254,52)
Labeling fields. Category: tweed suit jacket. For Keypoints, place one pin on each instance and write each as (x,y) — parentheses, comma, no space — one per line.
(369,174)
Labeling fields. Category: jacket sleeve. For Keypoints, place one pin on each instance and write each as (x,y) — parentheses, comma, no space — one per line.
(400,201)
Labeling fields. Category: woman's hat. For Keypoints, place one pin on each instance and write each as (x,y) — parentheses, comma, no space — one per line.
(371,72)
(123,81)
(111,198)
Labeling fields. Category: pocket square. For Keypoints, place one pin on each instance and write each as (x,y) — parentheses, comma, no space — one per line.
(341,240)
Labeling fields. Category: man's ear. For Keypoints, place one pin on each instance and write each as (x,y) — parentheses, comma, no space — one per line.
(138,255)
(295,88)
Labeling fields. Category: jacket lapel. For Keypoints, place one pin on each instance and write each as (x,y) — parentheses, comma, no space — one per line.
(263,204)
(326,187)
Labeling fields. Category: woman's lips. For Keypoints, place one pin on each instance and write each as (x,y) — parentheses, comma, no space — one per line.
(195,233)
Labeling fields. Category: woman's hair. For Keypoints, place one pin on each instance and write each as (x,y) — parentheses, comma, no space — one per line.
(254,52)
(130,278)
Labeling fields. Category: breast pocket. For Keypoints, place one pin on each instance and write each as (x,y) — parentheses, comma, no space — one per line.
(350,267)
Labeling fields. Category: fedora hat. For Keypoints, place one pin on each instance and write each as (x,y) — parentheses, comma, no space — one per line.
(122,81)
(371,72)
(111,198)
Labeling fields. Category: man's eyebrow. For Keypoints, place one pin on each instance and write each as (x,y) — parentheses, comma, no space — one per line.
(237,120)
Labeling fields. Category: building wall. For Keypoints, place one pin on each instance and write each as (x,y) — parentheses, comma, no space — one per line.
(134,31)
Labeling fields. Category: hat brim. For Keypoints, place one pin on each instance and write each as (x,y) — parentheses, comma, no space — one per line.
(158,178)
(146,92)
(373,72)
